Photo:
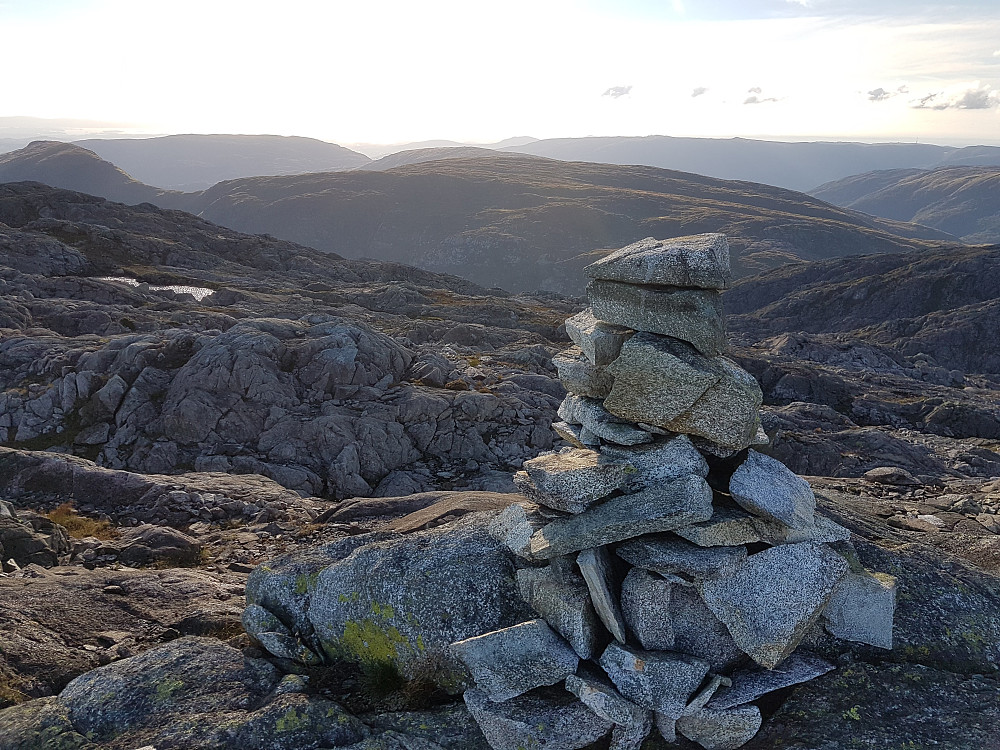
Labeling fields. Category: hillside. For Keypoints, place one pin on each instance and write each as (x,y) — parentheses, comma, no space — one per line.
(963,201)
(797,166)
(195,162)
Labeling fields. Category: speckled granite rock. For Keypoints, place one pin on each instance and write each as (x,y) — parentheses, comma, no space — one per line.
(698,260)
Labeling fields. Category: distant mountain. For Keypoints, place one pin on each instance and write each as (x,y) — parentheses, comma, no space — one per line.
(195,162)
(378,150)
(963,201)
(525,223)
(798,166)
(73,168)
(420,155)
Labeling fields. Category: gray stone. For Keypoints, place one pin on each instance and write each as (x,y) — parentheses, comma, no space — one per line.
(728,412)
(148,544)
(692,315)
(659,461)
(631,736)
(275,637)
(698,260)
(107,399)
(549,719)
(604,700)
(660,681)
(728,527)
(669,555)
(513,528)
(578,375)
(599,341)
(673,504)
(509,662)
(572,480)
(572,434)
(765,487)
(598,571)
(697,631)
(822,530)
(666,726)
(861,609)
(750,684)
(703,696)
(646,609)
(657,379)
(770,601)
(594,417)
(562,599)
(721,730)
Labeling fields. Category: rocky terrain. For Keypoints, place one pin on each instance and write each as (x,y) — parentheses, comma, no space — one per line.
(250,404)
(511,221)
(959,200)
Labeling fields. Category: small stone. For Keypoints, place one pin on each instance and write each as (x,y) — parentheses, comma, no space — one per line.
(604,700)
(750,684)
(660,681)
(646,609)
(765,487)
(571,480)
(514,660)
(578,375)
(666,726)
(822,530)
(727,527)
(893,475)
(659,461)
(721,730)
(599,341)
(630,736)
(553,719)
(113,589)
(513,527)
(593,416)
(861,609)
(671,505)
(562,599)
(598,572)
(668,555)
(571,433)
(692,315)
(699,701)
(698,260)
(773,597)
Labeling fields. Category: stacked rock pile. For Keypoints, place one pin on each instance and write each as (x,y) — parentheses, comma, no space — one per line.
(674,568)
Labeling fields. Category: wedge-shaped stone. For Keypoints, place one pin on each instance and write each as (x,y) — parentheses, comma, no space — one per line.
(728,413)
(512,661)
(604,700)
(669,555)
(727,527)
(861,609)
(578,375)
(666,726)
(750,684)
(721,730)
(770,601)
(600,341)
(767,488)
(692,315)
(657,379)
(657,680)
(571,480)
(669,506)
(660,461)
(551,719)
(646,609)
(573,434)
(598,571)
(697,260)
(594,417)
(562,599)
(703,696)
(630,737)
(822,530)
(513,527)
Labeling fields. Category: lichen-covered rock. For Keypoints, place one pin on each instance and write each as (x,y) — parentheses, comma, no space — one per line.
(563,601)
(511,661)
(580,376)
(750,684)
(692,315)
(41,724)
(669,506)
(552,719)
(765,487)
(698,260)
(264,627)
(600,342)
(772,598)
(573,479)
(721,730)
(657,680)
(861,609)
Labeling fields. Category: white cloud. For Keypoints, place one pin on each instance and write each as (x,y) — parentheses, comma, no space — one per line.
(698,92)
(616,91)
(977,96)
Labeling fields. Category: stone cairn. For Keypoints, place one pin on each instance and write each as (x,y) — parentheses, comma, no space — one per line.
(674,569)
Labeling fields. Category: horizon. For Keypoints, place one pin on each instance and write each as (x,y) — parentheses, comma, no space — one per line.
(791,70)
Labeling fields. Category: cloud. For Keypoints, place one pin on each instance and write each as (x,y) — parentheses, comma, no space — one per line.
(879,95)
(698,91)
(758,100)
(615,91)
(754,90)
(997,53)
(976,97)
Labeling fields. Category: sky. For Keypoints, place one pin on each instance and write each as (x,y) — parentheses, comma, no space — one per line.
(395,71)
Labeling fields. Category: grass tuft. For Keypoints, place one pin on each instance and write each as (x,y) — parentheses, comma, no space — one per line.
(78,526)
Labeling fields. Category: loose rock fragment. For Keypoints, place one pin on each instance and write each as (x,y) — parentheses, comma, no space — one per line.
(598,572)
(572,434)
(646,609)
(512,661)
(604,700)
(679,503)
(770,601)
(765,487)
(600,342)
(726,528)
(550,719)
(660,681)
(750,684)
(668,555)
(698,260)
(861,609)
(659,461)
(721,730)
(564,603)
(513,527)
(699,701)
(571,480)
(594,417)
(578,375)
(692,315)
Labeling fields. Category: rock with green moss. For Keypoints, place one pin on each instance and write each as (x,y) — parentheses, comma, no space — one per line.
(42,724)
(721,730)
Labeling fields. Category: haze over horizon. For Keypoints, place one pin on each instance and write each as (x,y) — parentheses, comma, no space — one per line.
(396,72)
